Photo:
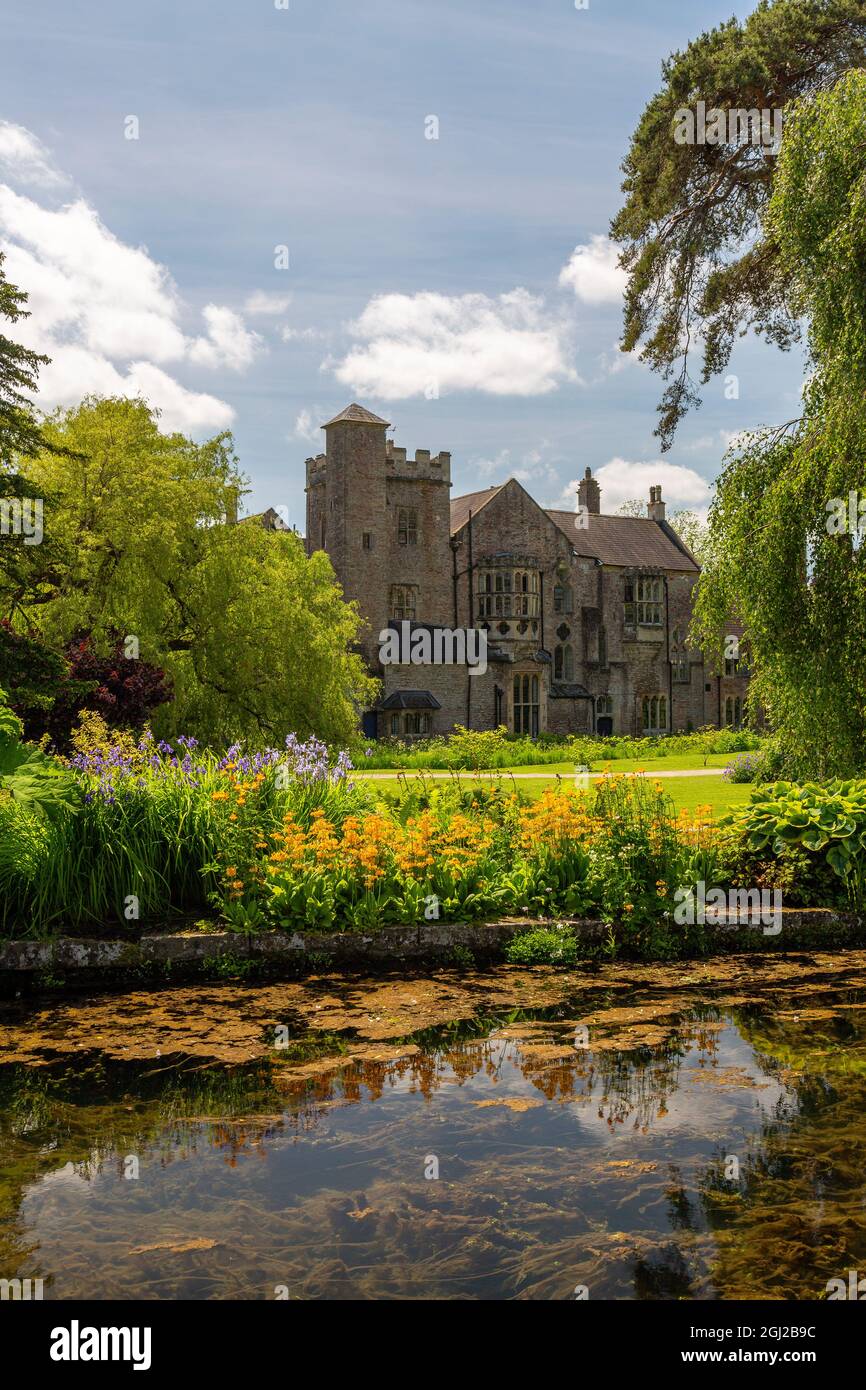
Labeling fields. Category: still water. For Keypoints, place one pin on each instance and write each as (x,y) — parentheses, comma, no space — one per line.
(653,1132)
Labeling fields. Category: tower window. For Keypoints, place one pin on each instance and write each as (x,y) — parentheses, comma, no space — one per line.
(407,526)
(367,540)
(404,602)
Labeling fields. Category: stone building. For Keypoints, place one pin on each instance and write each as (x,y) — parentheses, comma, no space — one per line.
(586,615)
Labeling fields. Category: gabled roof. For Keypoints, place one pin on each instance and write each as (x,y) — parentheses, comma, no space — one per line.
(470,502)
(356,415)
(626,541)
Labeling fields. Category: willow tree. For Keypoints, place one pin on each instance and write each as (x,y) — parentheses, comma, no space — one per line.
(789,517)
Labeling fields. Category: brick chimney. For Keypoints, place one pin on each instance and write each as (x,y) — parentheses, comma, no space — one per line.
(589,493)
(655,507)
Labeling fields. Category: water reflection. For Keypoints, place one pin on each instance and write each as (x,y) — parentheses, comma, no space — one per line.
(692,1150)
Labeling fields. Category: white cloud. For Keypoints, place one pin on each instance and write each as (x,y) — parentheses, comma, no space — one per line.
(306,427)
(260,302)
(108,315)
(228,342)
(75,372)
(616,361)
(593,273)
(24,158)
(290,335)
(621,480)
(532,466)
(425,343)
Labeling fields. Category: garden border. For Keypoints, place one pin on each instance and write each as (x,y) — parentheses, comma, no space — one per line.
(420,943)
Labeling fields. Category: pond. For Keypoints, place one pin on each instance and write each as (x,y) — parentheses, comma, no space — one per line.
(627,1132)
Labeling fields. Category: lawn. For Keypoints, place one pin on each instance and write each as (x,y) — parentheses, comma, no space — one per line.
(681,762)
(685,792)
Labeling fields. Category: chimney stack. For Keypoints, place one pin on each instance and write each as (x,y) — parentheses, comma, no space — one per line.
(655,507)
(589,493)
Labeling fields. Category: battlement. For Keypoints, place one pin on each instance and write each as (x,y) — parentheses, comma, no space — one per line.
(316,469)
(424,464)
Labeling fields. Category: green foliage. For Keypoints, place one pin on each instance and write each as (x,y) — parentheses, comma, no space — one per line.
(32,672)
(543,946)
(694,532)
(150,825)
(827,821)
(795,578)
(746,767)
(254,636)
(35,782)
(177,830)
(702,264)
(19,369)
(498,749)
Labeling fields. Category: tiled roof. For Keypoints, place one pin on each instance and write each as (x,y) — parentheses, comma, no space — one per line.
(614,540)
(627,540)
(358,416)
(471,502)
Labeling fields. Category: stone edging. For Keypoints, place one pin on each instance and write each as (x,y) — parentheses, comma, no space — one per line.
(429,941)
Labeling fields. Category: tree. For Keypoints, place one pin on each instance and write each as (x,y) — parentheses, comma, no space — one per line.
(632,506)
(253,636)
(693,532)
(687,525)
(49,691)
(789,516)
(19,370)
(702,264)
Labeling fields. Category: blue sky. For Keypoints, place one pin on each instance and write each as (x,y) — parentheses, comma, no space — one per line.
(425,276)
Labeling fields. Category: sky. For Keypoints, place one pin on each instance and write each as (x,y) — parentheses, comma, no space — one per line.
(253,212)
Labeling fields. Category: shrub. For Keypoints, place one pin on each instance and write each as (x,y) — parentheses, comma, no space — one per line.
(543,946)
(747,767)
(827,821)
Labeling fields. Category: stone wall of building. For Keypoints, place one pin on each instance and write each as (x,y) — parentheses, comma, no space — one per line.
(570,649)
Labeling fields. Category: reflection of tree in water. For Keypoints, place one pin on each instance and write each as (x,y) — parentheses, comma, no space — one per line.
(795,1218)
(514,1217)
